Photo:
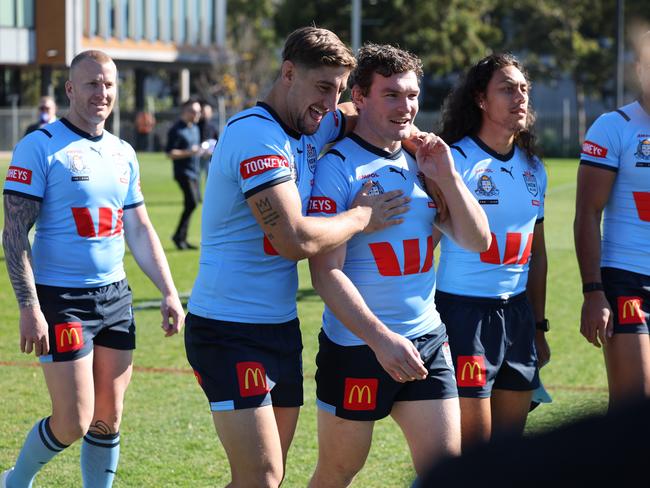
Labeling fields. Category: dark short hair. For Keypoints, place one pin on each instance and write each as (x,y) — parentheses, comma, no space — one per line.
(385,60)
(189,102)
(314,47)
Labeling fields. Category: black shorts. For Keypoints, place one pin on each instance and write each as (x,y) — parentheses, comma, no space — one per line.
(351,384)
(245,365)
(628,294)
(492,341)
(78,318)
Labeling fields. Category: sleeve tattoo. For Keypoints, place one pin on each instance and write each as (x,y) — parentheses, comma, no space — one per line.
(20,216)
(270,216)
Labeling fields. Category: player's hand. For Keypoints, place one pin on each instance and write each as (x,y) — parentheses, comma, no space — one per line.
(34,331)
(543,349)
(433,156)
(596,320)
(383,209)
(173,315)
(399,357)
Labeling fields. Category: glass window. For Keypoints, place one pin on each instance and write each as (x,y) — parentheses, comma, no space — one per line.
(182,22)
(25,13)
(152,17)
(210,21)
(8,13)
(139,20)
(125,15)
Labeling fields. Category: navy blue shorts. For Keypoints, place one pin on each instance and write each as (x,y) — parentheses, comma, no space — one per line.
(79,318)
(245,365)
(492,341)
(628,294)
(351,384)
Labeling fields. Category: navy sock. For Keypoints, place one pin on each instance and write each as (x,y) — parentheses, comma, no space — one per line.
(39,448)
(99,456)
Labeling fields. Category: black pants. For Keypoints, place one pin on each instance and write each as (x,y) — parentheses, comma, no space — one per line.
(190,188)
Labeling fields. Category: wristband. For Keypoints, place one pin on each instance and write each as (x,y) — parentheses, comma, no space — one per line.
(593,286)
(543,325)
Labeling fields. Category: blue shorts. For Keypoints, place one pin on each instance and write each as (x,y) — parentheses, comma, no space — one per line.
(351,384)
(628,294)
(79,318)
(492,341)
(245,365)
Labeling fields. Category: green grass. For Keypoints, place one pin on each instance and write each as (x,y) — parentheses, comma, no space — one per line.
(168,438)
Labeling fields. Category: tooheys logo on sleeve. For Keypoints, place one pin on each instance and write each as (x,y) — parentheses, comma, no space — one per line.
(630,310)
(261,164)
(592,149)
(321,205)
(360,393)
(19,175)
(470,371)
(252,379)
(69,336)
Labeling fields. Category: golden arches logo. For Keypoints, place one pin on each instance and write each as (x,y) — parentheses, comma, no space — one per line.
(258,378)
(360,390)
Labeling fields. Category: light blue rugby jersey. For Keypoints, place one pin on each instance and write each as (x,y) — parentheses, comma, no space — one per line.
(511,191)
(393,268)
(619,141)
(84,184)
(241,277)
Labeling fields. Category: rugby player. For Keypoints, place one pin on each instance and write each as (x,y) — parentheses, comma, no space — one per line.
(383,348)
(243,338)
(613,186)
(80,185)
(493,302)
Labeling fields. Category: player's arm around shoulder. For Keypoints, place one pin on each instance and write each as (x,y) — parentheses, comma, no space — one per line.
(148,252)
(20,215)
(461,216)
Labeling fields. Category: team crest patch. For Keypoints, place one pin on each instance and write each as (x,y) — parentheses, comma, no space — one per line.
(643,150)
(312,156)
(531,183)
(376,189)
(122,167)
(78,166)
(486,187)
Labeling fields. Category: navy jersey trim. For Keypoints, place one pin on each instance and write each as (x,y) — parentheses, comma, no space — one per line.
(80,132)
(46,132)
(598,165)
(622,114)
(459,149)
(266,185)
(24,195)
(493,153)
(133,205)
(374,149)
(246,116)
(290,132)
(335,153)
(342,131)
(539,220)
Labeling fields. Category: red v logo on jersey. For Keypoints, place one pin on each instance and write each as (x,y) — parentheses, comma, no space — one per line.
(511,255)
(86,227)
(388,264)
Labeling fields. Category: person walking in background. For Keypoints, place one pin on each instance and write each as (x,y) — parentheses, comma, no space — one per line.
(46,114)
(184,149)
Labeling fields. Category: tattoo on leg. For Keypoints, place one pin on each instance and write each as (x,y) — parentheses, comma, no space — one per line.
(100,428)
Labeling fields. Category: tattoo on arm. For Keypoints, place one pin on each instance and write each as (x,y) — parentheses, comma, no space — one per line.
(269,215)
(20,215)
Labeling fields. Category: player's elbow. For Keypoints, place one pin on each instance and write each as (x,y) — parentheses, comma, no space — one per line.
(483,240)
(293,248)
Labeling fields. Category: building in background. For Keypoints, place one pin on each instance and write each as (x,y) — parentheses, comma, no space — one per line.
(39,38)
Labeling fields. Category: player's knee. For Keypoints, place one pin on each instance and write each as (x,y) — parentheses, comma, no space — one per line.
(340,473)
(71,428)
(265,475)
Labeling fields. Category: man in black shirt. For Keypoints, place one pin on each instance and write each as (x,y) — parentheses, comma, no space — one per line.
(184,149)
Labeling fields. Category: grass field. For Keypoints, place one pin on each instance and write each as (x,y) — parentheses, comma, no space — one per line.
(167,435)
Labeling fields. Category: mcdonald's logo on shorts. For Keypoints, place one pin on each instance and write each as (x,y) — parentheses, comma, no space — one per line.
(629,310)
(360,393)
(252,379)
(69,336)
(470,371)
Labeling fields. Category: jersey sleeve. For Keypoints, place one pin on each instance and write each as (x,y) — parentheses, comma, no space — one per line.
(602,144)
(542,192)
(134,196)
(331,191)
(256,154)
(27,173)
(332,129)
(461,163)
